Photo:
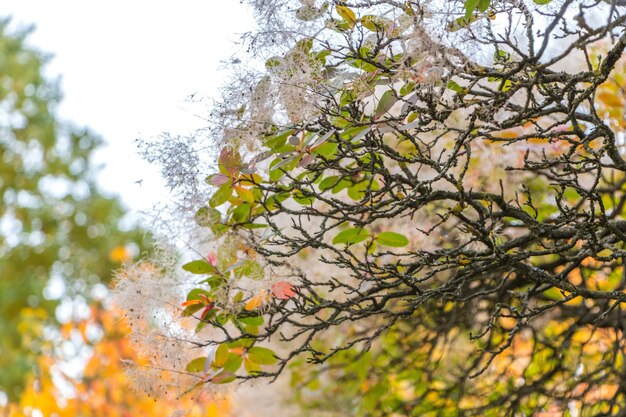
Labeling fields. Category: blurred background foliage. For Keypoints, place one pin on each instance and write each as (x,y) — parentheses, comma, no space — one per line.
(60,237)
(104,390)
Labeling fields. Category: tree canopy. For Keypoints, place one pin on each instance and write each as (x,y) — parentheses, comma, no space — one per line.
(422,201)
(59,235)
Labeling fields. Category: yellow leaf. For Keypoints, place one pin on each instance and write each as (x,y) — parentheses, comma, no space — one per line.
(245,194)
(251,179)
(347,14)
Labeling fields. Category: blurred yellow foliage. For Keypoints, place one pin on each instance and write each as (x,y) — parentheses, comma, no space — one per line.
(104,389)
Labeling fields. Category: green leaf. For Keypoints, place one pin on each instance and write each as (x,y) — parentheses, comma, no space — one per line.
(262,356)
(302,199)
(279,166)
(354,132)
(196,365)
(279,140)
(252,320)
(199,267)
(461,23)
(408,87)
(501,56)
(376,23)
(327,150)
(362,65)
(251,269)
(347,96)
(505,85)
(254,225)
(273,200)
(341,185)
(233,363)
(351,236)
(241,213)
(221,195)
(357,191)
(221,355)
(273,62)
(339,26)
(329,182)
(470,6)
(483,5)
(214,281)
(219,229)
(304,46)
(246,342)
(386,103)
(191,310)
(321,55)
(542,2)
(222,319)
(392,239)
(454,86)
(251,367)
(195,294)
(208,216)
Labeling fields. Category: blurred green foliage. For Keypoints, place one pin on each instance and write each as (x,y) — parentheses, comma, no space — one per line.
(55,225)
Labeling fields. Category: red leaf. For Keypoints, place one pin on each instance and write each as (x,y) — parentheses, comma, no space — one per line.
(212,258)
(283,290)
(206,311)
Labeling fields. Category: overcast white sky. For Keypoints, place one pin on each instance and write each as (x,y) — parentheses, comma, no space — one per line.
(127,68)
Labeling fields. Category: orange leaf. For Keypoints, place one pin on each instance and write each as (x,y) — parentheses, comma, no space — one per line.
(283,290)
(610,99)
(508,134)
(256,301)
(191,303)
